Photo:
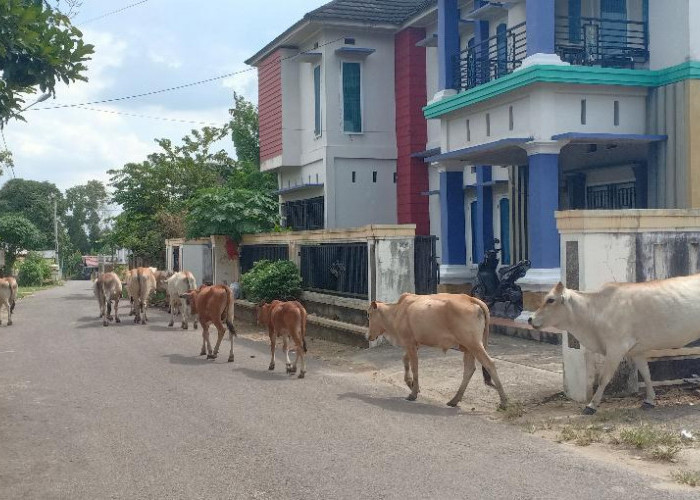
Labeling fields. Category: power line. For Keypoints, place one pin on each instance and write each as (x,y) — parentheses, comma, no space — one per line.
(106,14)
(151,117)
(170,89)
(4,141)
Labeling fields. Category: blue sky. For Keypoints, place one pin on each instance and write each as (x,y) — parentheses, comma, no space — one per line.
(154,45)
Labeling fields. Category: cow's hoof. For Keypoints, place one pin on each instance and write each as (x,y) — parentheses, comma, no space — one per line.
(211,356)
(104,323)
(171,324)
(411,397)
(302,374)
(271,367)
(646,405)
(452,403)
(117,319)
(185,326)
(589,411)
(230,358)
(409,383)
(9,323)
(289,369)
(202,353)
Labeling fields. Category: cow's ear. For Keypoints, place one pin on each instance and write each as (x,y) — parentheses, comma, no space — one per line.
(559,288)
(374,304)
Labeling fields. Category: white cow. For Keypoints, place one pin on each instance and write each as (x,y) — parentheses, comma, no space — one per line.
(179,284)
(624,319)
(7,294)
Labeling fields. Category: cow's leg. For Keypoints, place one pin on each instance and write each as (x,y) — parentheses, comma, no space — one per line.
(301,354)
(220,330)
(132,304)
(469,367)
(230,354)
(9,313)
(273,340)
(172,315)
(643,366)
(184,313)
(108,301)
(407,371)
(116,309)
(144,311)
(612,361)
(285,346)
(486,361)
(204,342)
(412,353)
(205,334)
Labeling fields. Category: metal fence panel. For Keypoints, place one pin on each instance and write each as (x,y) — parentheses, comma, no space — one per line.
(339,269)
(250,254)
(425,265)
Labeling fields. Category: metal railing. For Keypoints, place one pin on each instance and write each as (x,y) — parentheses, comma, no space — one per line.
(303,215)
(338,269)
(425,265)
(611,196)
(593,41)
(250,254)
(493,58)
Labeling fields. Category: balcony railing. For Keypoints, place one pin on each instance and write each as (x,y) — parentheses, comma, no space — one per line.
(493,58)
(611,43)
(303,214)
(581,41)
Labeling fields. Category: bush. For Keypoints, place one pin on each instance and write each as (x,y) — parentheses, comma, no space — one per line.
(267,281)
(34,270)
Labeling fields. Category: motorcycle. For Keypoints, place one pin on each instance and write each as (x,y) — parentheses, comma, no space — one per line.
(498,285)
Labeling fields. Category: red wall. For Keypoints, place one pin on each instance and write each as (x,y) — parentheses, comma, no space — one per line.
(411,130)
(270,106)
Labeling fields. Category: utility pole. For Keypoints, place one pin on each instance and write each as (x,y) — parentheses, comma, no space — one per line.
(55,231)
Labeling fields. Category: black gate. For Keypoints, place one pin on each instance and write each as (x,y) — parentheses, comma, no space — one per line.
(250,254)
(426,268)
(339,269)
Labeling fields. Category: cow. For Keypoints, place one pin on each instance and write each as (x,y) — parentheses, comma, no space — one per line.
(127,277)
(212,304)
(6,299)
(108,289)
(625,319)
(142,283)
(176,285)
(288,320)
(441,320)
(13,292)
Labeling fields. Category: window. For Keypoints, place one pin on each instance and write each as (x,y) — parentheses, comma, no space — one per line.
(469,132)
(511,122)
(488,125)
(616,113)
(353,177)
(352,98)
(396,175)
(583,111)
(575,21)
(317,101)
(374,176)
(349,41)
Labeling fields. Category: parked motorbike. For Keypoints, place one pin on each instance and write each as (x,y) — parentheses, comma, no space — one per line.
(498,285)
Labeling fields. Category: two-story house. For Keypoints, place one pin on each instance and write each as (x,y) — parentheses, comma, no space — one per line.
(328,100)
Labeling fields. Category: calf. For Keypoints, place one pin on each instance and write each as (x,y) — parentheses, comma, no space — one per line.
(6,299)
(213,304)
(624,319)
(108,289)
(142,283)
(442,320)
(178,284)
(288,320)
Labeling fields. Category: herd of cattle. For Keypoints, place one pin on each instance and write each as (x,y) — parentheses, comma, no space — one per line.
(620,319)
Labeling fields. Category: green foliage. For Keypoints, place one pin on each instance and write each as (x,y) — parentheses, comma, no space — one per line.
(72,264)
(232,212)
(245,131)
(38,48)
(34,270)
(268,281)
(33,200)
(83,223)
(6,161)
(17,233)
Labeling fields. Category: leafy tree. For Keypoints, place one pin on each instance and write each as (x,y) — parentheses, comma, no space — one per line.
(245,130)
(34,270)
(83,223)
(6,160)
(34,200)
(38,48)
(233,212)
(17,233)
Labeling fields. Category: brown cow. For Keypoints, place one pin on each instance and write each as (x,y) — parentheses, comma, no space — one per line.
(442,320)
(13,292)
(286,319)
(142,283)
(212,304)
(108,288)
(6,299)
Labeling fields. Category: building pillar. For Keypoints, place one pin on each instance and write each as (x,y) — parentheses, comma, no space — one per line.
(448,47)
(484,211)
(540,18)
(453,267)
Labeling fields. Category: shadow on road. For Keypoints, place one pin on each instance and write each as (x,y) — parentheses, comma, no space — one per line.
(179,359)
(401,405)
(264,374)
(161,328)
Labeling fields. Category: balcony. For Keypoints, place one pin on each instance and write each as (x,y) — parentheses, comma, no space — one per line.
(580,41)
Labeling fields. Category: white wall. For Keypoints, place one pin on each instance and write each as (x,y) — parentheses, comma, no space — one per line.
(364,201)
(669,31)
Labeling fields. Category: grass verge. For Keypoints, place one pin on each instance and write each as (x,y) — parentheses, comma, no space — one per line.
(689,477)
(24,291)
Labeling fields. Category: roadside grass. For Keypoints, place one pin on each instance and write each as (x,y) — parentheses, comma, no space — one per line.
(25,291)
(581,434)
(688,477)
(660,443)
(514,409)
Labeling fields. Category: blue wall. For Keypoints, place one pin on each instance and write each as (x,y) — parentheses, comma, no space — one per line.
(448,44)
(543,201)
(452,219)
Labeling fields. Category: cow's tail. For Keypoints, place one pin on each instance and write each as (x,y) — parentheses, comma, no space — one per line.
(303,330)
(100,291)
(485,339)
(228,312)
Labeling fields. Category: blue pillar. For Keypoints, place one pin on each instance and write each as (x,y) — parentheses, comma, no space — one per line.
(448,44)
(454,247)
(543,201)
(484,211)
(540,27)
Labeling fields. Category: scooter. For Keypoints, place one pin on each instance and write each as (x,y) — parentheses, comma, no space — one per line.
(498,285)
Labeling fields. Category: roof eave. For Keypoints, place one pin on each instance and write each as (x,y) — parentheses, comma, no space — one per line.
(277,42)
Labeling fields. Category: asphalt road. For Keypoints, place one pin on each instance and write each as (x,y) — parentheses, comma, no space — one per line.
(133,412)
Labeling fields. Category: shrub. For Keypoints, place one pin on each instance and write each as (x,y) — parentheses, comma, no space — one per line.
(267,281)
(34,270)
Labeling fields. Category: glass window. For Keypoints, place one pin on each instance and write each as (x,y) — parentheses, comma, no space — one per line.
(575,21)
(352,98)
(317,100)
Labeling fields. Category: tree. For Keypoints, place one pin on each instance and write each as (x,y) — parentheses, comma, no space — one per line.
(245,130)
(39,47)
(6,160)
(233,212)
(33,200)
(83,223)
(17,233)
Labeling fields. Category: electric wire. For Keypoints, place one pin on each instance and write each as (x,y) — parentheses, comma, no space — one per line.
(107,14)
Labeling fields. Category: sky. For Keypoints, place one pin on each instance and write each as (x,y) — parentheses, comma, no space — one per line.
(154,45)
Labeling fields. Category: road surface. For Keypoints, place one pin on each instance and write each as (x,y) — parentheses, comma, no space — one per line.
(132,411)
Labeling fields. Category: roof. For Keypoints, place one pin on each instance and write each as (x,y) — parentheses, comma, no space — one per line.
(386,12)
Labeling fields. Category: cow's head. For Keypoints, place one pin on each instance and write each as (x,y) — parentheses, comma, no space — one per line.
(376,322)
(553,311)
(190,298)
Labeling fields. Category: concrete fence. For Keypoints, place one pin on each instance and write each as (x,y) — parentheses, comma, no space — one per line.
(600,246)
